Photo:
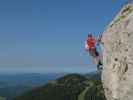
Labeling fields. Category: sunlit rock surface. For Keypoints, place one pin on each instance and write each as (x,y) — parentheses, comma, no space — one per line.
(117,48)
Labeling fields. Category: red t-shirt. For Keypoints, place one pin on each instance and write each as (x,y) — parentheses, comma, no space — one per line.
(90,42)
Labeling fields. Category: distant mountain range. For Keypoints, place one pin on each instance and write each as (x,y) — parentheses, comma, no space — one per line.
(12,85)
(68,87)
(51,86)
(1,98)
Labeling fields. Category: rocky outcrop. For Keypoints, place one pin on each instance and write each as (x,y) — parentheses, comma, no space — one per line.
(117,75)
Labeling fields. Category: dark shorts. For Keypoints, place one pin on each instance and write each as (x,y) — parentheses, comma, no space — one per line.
(93,52)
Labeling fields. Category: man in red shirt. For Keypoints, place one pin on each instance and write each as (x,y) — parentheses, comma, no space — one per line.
(90,46)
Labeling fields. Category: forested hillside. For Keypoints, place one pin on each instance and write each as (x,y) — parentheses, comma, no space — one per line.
(69,87)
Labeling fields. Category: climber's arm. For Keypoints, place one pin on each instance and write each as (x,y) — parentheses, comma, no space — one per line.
(99,40)
(86,46)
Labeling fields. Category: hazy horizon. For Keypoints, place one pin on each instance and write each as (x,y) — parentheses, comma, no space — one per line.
(43,71)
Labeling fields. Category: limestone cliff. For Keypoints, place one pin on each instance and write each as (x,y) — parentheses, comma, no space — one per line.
(117,48)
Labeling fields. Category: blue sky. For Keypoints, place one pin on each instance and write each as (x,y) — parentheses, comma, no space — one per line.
(49,35)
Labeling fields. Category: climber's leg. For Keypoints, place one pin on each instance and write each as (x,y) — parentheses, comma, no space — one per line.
(99,65)
(98,59)
(92,53)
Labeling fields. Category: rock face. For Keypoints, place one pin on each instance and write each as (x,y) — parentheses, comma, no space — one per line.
(117,75)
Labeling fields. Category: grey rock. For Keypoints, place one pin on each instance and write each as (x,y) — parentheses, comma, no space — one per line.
(117,75)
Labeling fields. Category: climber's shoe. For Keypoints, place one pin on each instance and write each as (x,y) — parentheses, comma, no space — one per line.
(99,66)
(100,63)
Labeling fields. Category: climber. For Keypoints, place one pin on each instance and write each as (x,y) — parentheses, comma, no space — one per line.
(90,46)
